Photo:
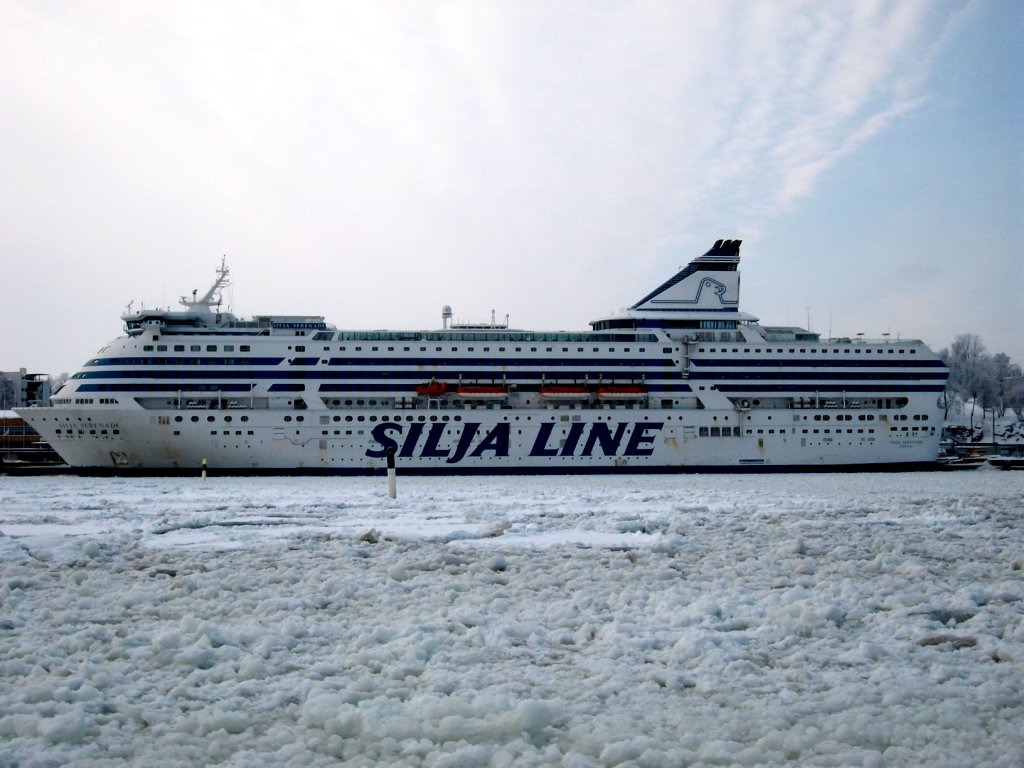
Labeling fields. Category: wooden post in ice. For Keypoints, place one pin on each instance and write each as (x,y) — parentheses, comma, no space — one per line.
(392,490)
(204,469)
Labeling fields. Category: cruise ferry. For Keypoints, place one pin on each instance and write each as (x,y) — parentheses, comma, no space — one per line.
(681,381)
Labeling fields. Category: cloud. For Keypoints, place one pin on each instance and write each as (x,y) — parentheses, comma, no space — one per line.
(447,147)
(629,102)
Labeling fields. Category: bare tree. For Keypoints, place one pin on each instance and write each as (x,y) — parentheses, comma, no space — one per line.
(964,359)
(988,381)
(1007,383)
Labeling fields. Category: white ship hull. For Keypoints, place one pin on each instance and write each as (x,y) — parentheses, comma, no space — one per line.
(484,440)
(681,381)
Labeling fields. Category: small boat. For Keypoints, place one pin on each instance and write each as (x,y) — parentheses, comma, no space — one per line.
(482,392)
(622,392)
(564,392)
(432,388)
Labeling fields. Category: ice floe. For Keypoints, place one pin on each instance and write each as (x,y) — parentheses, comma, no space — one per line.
(868,620)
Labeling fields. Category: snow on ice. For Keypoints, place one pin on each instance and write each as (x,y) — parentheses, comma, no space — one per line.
(850,620)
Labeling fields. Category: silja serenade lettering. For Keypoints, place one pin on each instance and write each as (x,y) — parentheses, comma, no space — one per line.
(582,439)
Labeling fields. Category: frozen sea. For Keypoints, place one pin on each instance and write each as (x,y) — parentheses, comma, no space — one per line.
(821,620)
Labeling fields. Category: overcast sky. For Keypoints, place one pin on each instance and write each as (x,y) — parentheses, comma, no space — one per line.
(374,161)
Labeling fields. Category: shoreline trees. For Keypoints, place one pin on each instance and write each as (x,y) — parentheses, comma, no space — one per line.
(990,382)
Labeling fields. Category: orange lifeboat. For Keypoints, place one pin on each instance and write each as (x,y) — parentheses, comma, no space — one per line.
(482,392)
(622,392)
(564,392)
(432,388)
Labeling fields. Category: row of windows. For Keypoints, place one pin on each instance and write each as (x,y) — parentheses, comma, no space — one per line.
(302,348)
(552,370)
(227,389)
(300,419)
(720,432)
(195,348)
(736,431)
(502,363)
(83,401)
(812,350)
(608,350)
(82,431)
(855,375)
(844,417)
(440,362)
(702,431)
(227,419)
(458,367)
(506,336)
(544,370)
(843,388)
(206,361)
(820,362)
